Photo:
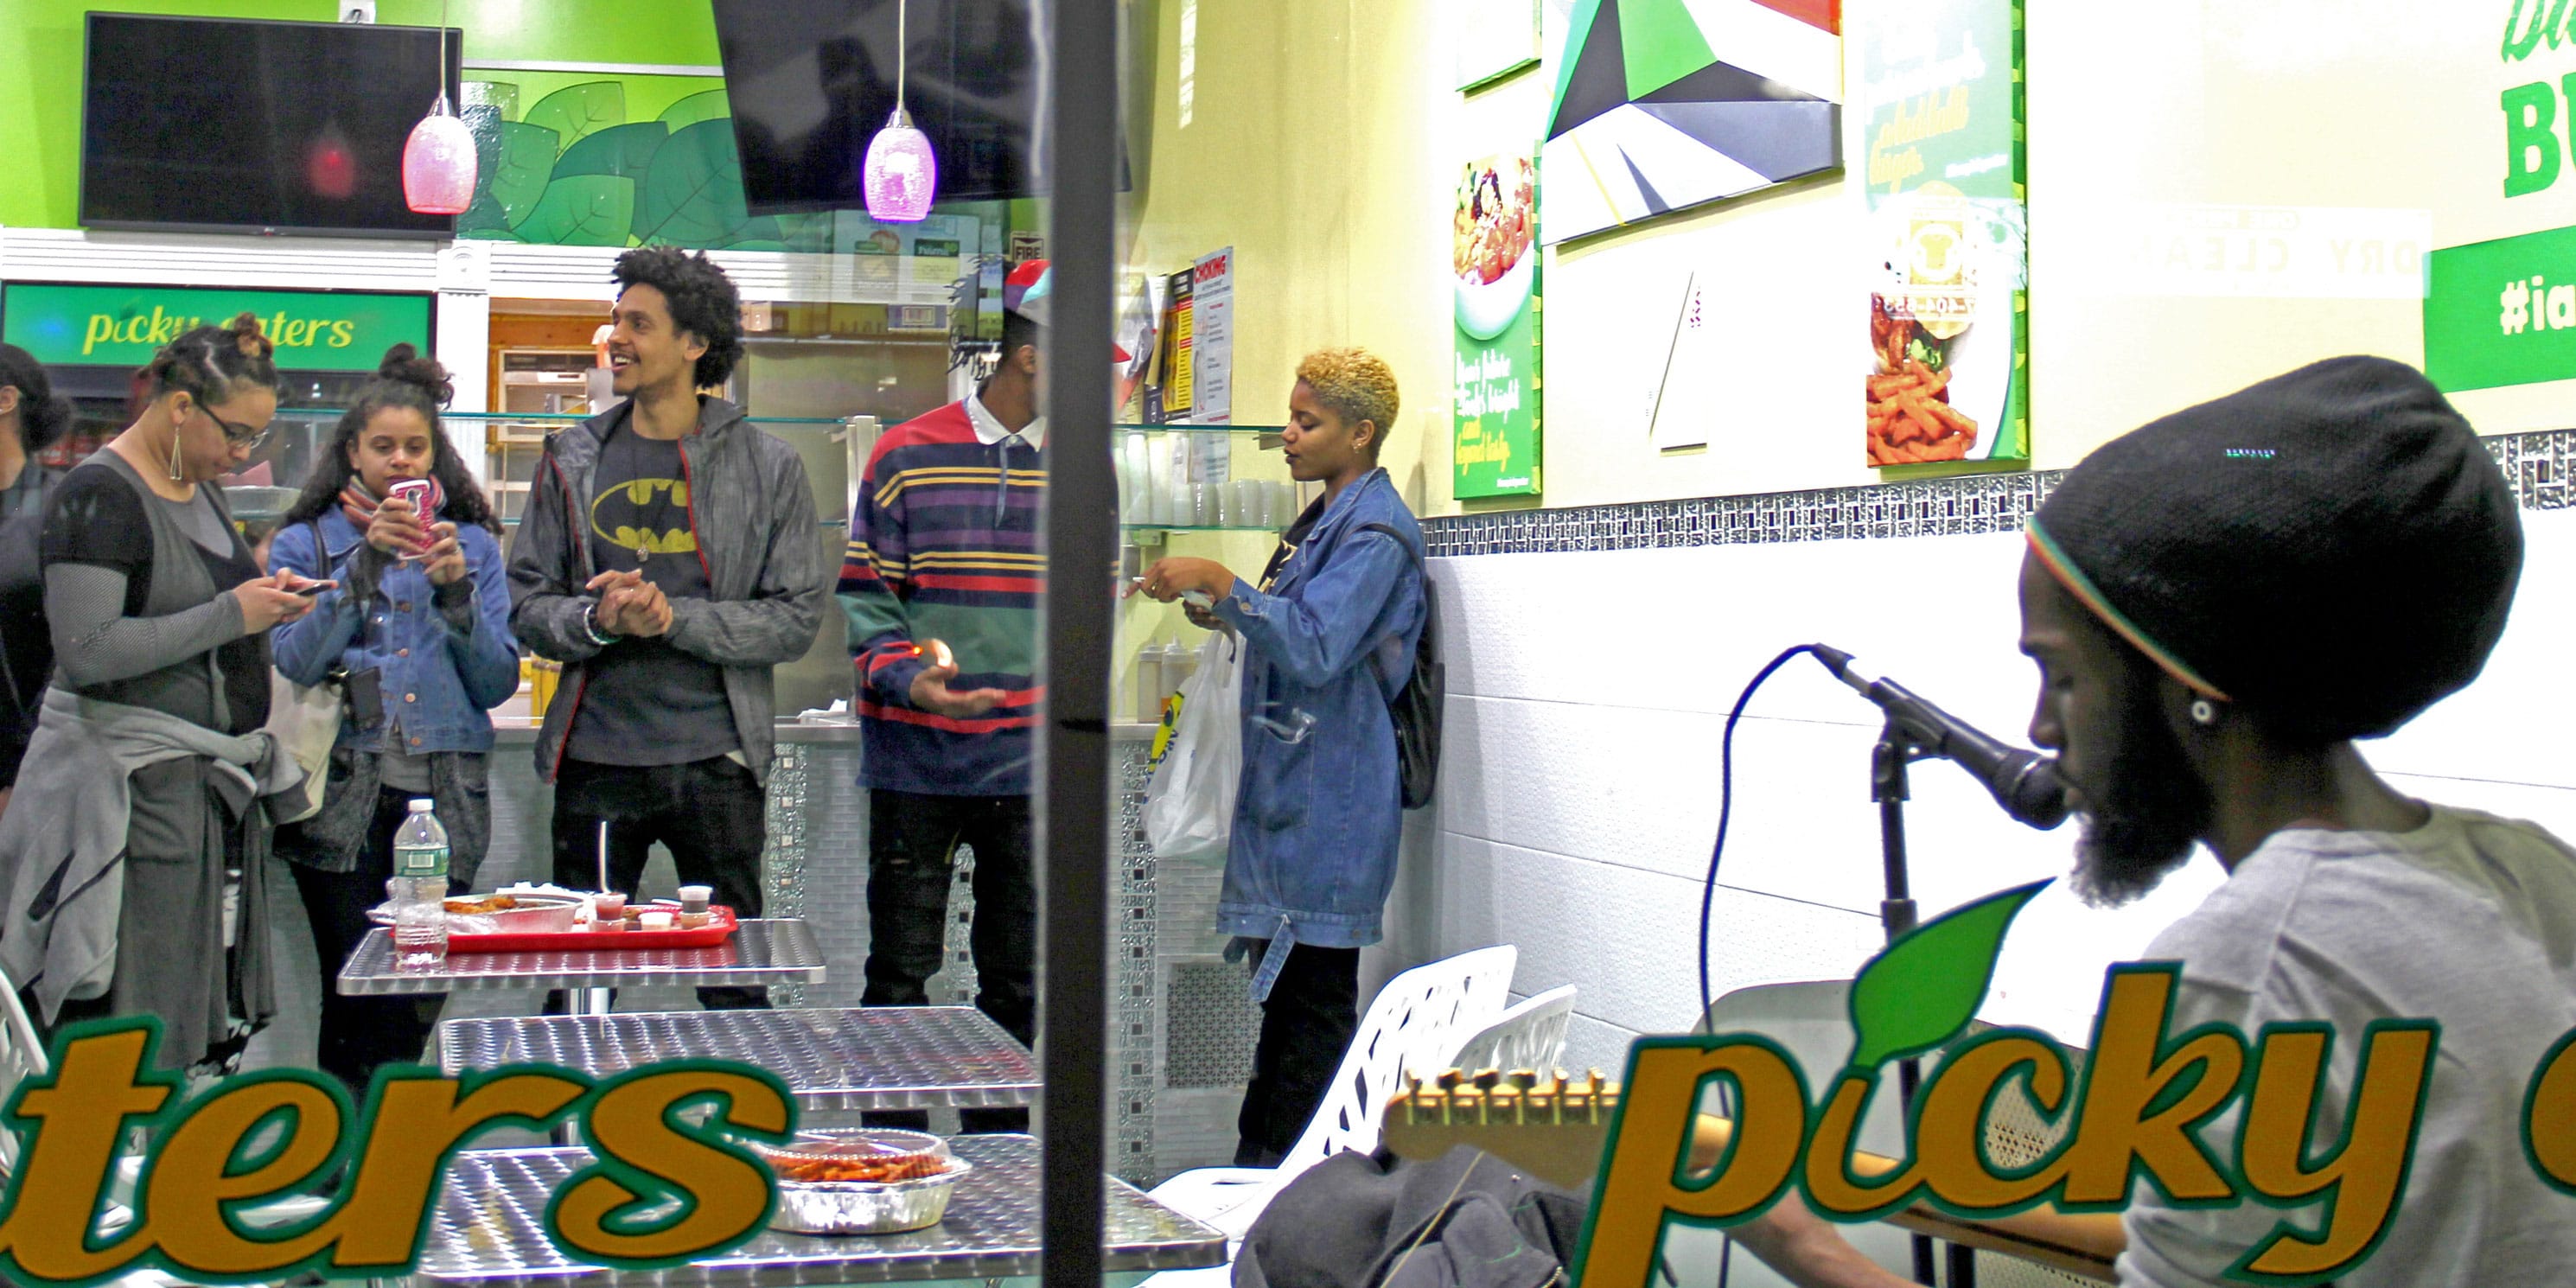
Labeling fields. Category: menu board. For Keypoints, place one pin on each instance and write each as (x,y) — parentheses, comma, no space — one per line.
(1940,92)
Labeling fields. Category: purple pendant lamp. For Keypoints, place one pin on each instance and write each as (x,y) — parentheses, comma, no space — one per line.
(438,159)
(901,173)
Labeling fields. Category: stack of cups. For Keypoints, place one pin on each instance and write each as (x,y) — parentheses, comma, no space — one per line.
(693,905)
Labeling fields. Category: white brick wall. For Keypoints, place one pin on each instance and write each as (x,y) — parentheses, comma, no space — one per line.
(1579,784)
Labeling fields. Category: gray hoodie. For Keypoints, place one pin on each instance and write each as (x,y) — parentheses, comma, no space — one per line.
(753,512)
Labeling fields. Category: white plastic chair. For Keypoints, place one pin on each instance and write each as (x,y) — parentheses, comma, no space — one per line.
(22,1056)
(1416,1023)
(1530,1035)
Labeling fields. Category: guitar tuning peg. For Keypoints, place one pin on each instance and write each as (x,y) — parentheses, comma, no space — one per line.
(1522,1078)
(1449,1079)
(1487,1079)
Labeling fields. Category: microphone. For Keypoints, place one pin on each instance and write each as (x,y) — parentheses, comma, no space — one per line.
(2024,782)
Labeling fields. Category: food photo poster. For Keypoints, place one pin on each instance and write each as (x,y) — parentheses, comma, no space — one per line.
(1494,405)
(1948,378)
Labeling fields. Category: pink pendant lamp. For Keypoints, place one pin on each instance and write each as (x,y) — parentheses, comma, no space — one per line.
(901,173)
(438,159)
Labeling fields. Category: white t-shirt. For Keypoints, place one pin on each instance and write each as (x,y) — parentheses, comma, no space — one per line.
(2469,920)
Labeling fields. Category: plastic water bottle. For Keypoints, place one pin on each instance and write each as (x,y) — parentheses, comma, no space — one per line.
(419,890)
(420,922)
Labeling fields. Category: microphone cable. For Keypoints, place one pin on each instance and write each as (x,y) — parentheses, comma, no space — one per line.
(1725,810)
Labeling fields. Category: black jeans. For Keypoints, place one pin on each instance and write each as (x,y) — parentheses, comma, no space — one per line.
(712,814)
(360,1035)
(912,845)
(1306,1025)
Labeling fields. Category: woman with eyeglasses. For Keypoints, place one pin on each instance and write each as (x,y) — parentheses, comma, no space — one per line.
(134,886)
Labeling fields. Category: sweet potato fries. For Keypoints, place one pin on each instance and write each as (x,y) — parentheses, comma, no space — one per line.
(878,1168)
(1911,420)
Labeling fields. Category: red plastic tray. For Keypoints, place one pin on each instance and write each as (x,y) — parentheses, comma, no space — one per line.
(720,926)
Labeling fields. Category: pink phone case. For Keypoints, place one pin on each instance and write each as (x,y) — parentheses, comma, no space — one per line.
(421,493)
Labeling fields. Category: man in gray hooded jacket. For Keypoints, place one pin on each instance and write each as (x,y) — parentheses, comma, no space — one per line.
(668,558)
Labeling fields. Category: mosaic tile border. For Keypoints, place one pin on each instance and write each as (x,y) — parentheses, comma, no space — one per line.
(2541,467)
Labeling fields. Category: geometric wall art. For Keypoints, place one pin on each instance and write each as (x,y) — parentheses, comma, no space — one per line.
(1662,105)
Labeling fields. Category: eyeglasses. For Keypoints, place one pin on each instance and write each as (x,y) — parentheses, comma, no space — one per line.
(236,435)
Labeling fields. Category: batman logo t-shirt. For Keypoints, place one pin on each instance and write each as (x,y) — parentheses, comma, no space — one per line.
(646,702)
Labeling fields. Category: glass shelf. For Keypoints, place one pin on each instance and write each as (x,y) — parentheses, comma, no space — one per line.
(1196,527)
(1200,429)
(559,418)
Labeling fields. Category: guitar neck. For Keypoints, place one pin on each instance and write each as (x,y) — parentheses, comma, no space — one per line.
(1554,1128)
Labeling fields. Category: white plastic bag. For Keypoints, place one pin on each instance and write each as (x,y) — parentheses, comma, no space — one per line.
(1189,802)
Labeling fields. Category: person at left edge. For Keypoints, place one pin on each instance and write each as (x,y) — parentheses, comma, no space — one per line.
(32,416)
(426,642)
(669,558)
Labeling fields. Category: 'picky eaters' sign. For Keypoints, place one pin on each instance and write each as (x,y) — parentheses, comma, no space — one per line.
(123,326)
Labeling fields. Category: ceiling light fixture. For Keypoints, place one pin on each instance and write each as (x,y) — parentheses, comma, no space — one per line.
(901,173)
(438,158)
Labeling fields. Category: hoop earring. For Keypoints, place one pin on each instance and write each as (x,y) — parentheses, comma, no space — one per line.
(2203,713)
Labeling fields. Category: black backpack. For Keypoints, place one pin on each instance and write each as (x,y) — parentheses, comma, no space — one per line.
(1417,708)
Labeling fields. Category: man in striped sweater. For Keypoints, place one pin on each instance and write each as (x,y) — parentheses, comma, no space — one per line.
(941,585)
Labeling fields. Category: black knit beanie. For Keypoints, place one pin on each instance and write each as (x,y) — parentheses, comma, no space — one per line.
(2332,548)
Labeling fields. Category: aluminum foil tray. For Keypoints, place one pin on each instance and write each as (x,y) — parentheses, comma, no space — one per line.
(864,1207)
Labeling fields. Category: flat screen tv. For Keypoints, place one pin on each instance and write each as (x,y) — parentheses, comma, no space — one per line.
(811,81)
(217,124)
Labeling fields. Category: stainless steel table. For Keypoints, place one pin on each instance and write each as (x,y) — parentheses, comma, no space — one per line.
(888,1057)
(762,951)
(488,1232)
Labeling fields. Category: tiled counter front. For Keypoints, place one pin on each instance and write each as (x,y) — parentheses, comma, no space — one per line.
(1184,1029)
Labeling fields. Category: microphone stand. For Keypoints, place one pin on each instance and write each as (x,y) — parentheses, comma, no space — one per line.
(1888,786)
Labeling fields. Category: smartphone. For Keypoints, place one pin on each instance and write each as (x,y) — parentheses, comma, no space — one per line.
(417,491)
(424,497)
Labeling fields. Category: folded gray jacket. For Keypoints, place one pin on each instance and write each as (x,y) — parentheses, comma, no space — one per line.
(63,840)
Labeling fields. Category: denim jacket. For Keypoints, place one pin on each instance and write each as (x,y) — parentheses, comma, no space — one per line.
(444,658)
(1317,818)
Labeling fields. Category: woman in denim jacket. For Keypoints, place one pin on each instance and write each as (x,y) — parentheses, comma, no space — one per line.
(433,630)
(1330,635)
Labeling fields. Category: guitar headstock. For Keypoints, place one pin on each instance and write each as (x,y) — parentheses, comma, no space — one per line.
(1548,1124)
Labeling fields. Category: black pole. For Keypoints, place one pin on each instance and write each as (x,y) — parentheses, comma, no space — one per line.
(1897,913)
(1078,140)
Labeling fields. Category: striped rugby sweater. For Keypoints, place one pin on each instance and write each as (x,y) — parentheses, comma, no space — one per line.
(944,545)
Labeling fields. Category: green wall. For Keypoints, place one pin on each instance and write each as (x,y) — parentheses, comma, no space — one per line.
(40,41)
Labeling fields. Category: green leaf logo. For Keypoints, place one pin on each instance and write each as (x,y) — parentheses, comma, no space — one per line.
(1924,989)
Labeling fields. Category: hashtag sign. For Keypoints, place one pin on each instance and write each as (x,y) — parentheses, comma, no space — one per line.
(2517,307)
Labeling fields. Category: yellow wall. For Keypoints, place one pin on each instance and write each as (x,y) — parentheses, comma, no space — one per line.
(1313,149)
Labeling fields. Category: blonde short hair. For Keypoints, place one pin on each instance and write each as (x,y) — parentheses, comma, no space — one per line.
(1356,385)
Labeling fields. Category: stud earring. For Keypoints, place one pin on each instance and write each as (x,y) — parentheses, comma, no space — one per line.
(2203,713)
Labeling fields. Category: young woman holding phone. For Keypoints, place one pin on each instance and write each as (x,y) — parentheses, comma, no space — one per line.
(419,626)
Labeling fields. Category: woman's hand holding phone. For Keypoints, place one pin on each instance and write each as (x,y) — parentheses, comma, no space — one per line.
(397,529)
(446,558)
(272,601)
